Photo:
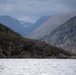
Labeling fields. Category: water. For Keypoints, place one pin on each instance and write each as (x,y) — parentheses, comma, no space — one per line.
(37,67)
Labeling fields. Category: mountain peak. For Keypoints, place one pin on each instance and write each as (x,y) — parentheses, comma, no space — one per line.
(73,18)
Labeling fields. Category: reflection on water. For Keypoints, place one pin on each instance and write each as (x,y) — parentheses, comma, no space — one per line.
(37,67)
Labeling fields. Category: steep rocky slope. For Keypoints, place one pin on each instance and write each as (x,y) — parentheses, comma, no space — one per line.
(12,45)
(53,22)
(64,36)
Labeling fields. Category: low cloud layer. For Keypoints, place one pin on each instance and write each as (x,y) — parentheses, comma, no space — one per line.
(31,10)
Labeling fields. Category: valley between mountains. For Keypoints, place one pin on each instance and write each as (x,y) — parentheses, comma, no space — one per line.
(49,37)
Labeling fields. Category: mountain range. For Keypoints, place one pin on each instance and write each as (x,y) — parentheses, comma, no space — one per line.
(57,31)
(13,45)
(21,27)
(47,27)
(64,36)
(38,23)
(18,26)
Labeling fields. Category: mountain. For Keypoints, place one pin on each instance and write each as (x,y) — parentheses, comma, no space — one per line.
(47,27)
(64,36)
(12,45)
(38,23)
(18,26)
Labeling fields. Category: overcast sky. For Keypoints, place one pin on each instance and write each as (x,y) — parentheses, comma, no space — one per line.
(31,10)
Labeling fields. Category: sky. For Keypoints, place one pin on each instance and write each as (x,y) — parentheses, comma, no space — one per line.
(31,10)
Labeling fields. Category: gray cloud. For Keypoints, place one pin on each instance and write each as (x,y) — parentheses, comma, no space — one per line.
(31,10)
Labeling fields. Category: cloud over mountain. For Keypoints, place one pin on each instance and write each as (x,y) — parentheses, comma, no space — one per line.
(31,10)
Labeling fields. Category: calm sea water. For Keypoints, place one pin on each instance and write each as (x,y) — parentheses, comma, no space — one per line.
(37,67)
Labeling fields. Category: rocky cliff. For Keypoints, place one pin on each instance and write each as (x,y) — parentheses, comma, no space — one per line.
(64,36)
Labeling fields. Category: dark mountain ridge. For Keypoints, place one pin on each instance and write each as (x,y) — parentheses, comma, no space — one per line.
(13,45)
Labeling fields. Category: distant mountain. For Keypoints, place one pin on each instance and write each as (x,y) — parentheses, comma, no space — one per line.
(47,27)
(18,26)
(64,36)
(12,45)
(38,23)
